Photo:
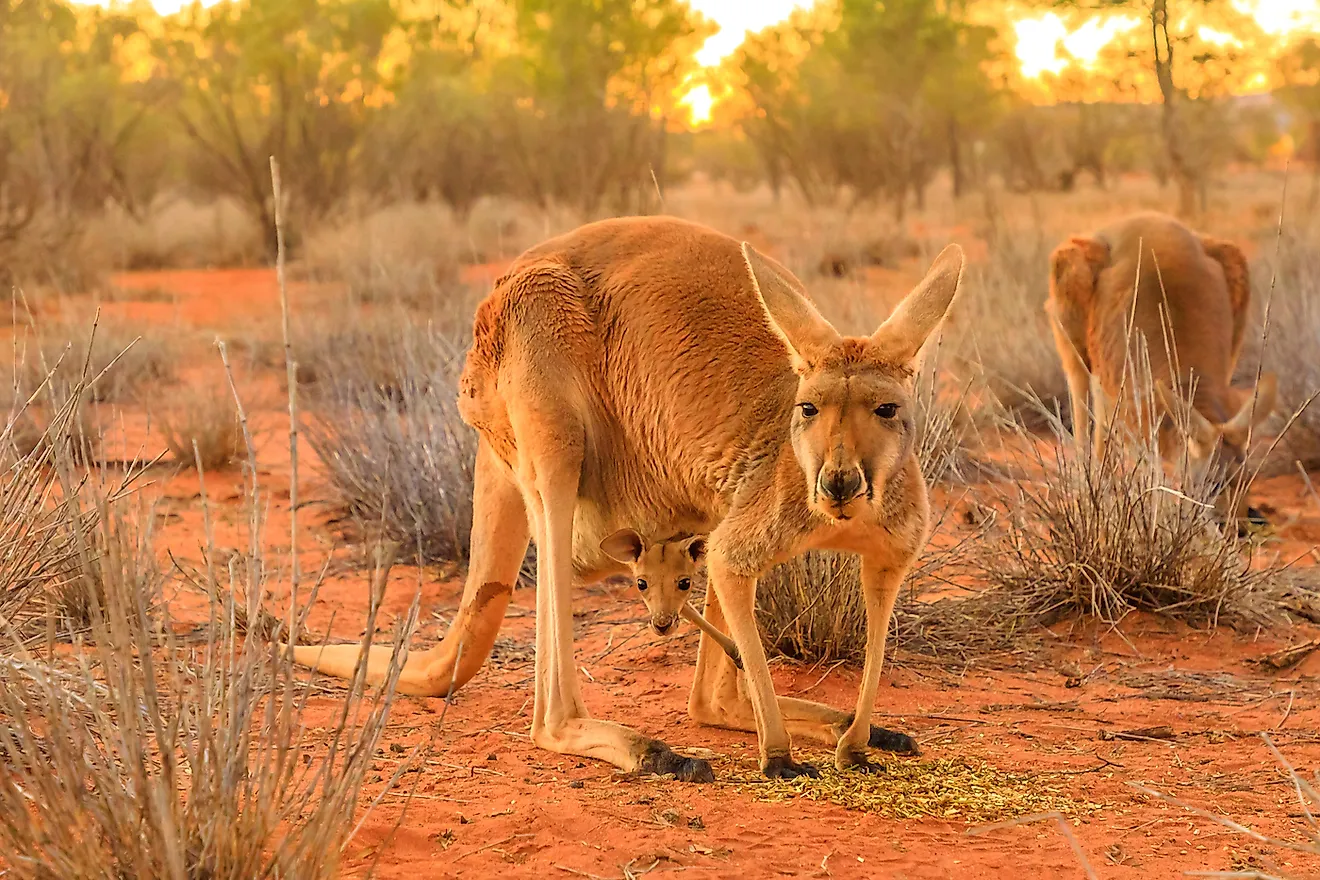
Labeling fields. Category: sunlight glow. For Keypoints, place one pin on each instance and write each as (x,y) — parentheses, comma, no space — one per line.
(1217,37)
(735,18)
(1040,39)
(1280,17)
(698,102)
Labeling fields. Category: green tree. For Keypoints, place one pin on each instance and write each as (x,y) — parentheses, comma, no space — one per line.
(70,123)
(874,100)
(1299,69)
(294,79)
(587,94)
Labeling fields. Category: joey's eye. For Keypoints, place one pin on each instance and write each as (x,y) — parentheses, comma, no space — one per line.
(684,584)
(887,410)
(641,585)
(808,410)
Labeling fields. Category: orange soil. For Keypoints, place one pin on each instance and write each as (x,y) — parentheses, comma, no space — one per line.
(488,802)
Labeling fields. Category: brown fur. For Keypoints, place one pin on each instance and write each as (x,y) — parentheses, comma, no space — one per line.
(1188,296)
(650,373)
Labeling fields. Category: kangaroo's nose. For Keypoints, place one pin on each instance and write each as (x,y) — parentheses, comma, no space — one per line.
(662,626)
(839,485)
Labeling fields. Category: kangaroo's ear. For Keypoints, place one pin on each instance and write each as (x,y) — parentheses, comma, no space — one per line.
(1255,409)
(921,311)
(1190,423)
(791,315)
(624,546)
(695,548)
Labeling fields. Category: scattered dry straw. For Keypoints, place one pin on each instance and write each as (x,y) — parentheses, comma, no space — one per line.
(957,789)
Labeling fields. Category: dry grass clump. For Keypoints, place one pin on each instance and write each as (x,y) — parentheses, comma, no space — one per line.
(178,233)
(38,557)
(398,457)
(1103,537)
(202,427)
(405,253)
(120,362)
(154,757)
(1289,278)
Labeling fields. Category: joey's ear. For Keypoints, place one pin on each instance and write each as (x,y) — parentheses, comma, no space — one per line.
(695,548)
(921,311)
(624,546)
(1190,423)
(1255,409)
(792,316)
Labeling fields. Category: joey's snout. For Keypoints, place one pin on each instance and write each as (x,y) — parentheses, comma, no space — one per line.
(663,624)
(839,485)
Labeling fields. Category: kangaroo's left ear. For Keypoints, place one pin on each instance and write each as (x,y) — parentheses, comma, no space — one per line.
(695,548)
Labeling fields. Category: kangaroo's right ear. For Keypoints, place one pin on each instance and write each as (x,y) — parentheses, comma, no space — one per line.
(792,316)
(921,311)
(624,546)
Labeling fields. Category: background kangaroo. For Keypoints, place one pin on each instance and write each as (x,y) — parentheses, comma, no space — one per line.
(1192,294)
(652,373)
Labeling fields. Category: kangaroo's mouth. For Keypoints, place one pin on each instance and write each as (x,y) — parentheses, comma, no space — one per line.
(663,628)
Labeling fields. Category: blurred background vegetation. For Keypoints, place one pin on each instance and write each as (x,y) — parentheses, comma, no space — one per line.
(111,118)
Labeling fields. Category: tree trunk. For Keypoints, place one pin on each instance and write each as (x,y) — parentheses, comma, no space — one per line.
(1184,174)
(955,159)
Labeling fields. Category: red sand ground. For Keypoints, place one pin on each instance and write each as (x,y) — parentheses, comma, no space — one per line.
(487,802)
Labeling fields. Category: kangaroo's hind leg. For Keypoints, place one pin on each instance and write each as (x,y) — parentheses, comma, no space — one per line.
(498,545)
(551,443)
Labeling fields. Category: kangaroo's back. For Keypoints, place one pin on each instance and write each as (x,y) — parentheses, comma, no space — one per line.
(678,379)
(1182,306)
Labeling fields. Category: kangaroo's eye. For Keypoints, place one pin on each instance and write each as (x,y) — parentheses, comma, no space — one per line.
(887,410)
(808,410)
(685,584)
(641,585)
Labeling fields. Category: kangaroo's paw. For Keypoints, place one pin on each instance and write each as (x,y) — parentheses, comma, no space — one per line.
(854,759)
(784,767)
(661,759)
(893,741)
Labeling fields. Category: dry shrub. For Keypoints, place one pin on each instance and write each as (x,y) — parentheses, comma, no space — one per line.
(157,757)
(38,558)
(405,253)
(398,457)
(176,232)
(1288,277)
(1103,537)
(501,228)
(1001,335)
(202,427)
(121,361)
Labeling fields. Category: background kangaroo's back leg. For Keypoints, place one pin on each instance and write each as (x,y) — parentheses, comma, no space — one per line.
(1074,268)
(498,544)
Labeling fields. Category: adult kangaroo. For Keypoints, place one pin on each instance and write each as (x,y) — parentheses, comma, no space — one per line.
(1150,276)
(652,373)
